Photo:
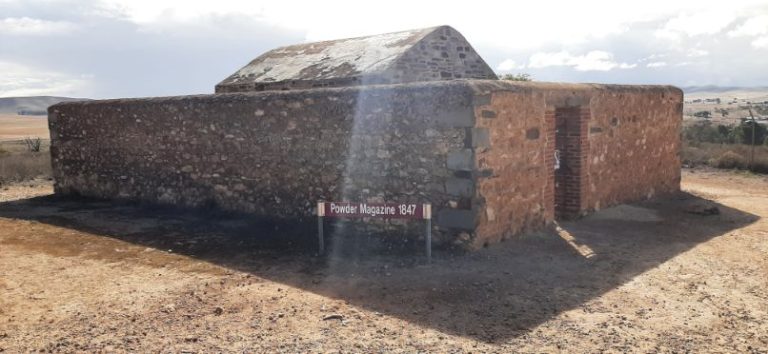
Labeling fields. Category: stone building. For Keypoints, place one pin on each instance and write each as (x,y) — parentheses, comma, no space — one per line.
(494,158)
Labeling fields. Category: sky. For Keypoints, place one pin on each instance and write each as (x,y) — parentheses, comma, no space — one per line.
(138,48)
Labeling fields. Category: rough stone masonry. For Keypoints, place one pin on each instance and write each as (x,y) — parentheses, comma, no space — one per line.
(494,158)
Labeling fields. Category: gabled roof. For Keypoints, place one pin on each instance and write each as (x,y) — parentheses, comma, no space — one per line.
(436,53)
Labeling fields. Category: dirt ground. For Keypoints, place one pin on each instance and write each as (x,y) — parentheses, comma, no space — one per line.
(681,274)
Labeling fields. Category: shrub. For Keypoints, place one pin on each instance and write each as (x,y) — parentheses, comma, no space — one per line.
(517,77)
(703,114)
(760,166)
(725,156)
(729,160)
(33,144)
(705,132)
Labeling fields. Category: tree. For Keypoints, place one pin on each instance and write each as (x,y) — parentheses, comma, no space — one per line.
(724,133)
(703,132)
(744,132)
(703,114)
(517,77)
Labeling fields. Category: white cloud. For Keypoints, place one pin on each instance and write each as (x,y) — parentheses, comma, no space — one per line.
(21,80)
(756,26)
(595,60)
(751,27)
(652,57)
(536,24)
(156,43)
(696,53)
(706,22)
(543,60)
(332,19)
(509,65)
(34,26)
(760,42)
(660,60)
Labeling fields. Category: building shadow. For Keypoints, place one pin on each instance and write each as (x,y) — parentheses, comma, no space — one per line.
(489,295)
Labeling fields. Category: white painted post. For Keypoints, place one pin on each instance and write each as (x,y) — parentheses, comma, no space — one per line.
(428,216)
(320,238)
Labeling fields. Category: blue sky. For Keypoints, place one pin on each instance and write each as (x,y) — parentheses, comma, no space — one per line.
(121,48)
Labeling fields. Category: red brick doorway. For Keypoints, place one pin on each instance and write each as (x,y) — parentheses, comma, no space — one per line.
(570,160)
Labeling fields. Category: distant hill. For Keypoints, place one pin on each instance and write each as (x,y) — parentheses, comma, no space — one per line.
(728,93)
(715,89)
(31,105)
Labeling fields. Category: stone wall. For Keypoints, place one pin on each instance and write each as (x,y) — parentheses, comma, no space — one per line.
(626,138)
(482,152)
(270,153)
(514,181)
(634,145)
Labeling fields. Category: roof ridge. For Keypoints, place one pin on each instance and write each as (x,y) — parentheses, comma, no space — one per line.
(393,57)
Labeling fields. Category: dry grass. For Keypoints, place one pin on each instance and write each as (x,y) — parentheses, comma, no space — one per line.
(729,156)
(18,164)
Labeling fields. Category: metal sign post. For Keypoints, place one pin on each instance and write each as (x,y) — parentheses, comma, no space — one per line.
(375,210)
